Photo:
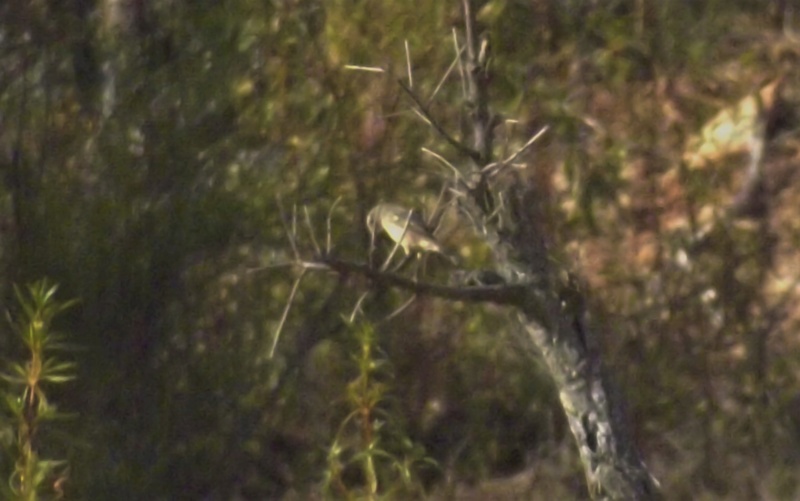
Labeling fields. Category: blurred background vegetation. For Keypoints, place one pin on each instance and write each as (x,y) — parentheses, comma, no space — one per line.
(144,147)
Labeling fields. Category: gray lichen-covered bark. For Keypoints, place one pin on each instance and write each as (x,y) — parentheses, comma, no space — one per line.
(551,307)
(553,315)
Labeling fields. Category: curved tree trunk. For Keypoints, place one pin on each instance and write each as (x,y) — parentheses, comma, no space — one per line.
(551,308)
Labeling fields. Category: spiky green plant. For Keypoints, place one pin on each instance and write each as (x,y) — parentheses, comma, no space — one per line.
(28,407)
(371,443)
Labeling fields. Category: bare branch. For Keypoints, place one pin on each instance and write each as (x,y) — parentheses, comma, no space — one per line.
(271,267)
(498,294)
(478,88)
(459,146)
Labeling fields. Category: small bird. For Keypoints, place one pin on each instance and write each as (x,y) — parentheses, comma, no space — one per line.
(404,227)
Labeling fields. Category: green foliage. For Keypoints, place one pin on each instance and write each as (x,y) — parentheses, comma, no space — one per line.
(28,408)
(370,444)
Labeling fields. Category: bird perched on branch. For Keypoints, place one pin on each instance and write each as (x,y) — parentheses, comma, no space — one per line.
(405,227)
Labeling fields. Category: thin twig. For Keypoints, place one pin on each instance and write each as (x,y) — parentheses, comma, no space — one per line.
(292,242)
(408,66)
(286,312)
(459,52)
(328,235)
(498,294)
(510,123)
(421,116)
(444,162)
(294,221)
(458,193)
(462,148)
(357,307)
(497,166)
(271,266)
(310,229)
(437,214)
(478,90)
(456,61)
(400,310)
(469,17)
(369,69)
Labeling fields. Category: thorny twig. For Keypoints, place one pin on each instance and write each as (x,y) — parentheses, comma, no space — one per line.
(422,109)
(456,61)
(459,51)
(401,309)
(495,168)
(443,161)
(357,307)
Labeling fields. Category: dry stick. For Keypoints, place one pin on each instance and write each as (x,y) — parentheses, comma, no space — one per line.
(286,312)
(421,108)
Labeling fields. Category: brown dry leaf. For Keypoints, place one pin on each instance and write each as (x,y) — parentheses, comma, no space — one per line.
(736,129)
